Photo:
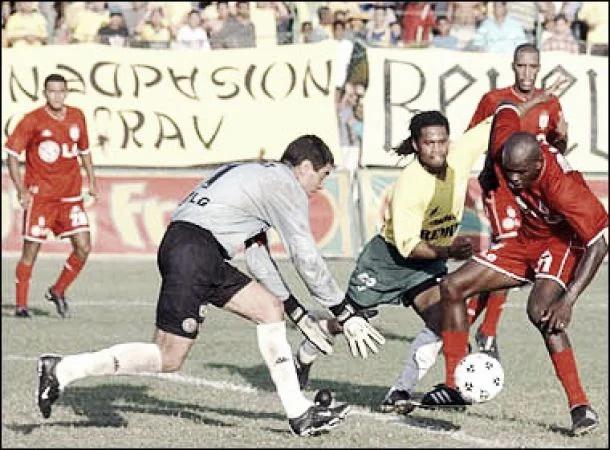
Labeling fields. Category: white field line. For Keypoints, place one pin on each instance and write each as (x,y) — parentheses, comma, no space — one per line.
(134,303)
(226,386)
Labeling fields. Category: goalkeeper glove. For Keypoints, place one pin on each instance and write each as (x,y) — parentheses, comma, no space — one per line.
(359,333)
(308,325)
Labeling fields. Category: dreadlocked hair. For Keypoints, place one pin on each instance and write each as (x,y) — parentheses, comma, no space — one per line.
(418,122)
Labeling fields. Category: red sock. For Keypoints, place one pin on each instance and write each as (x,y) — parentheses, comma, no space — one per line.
(71,270)
(22,284)
(455,347)
(495,304)
(474,306)
(565,368)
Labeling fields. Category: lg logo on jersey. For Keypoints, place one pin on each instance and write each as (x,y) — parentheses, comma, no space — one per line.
(49,151)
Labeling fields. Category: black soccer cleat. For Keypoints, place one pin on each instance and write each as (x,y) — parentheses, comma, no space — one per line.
(60,302)
(396,401)
(24,313)
(487,344)
(48,385)
(318,419)
(444,397)
(584,419)
(302,370)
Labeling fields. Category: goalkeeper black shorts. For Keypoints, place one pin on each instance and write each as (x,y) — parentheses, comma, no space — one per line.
(194,271)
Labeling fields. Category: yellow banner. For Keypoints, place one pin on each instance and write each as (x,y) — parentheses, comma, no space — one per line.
(404,82)
(182,107)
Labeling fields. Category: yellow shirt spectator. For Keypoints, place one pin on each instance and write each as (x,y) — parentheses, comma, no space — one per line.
(26,29)
(596,16)
(88,24)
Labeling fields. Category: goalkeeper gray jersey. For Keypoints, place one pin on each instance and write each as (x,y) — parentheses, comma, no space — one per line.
(238,201)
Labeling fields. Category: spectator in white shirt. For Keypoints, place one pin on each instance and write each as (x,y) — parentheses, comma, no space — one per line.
(191,34)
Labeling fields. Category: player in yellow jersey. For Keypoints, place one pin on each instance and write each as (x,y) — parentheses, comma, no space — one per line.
(425,207)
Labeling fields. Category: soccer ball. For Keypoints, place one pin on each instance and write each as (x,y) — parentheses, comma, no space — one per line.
(479,377)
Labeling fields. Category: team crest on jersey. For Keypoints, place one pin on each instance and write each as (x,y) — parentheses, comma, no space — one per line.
(74,132)
(46,133)
(48,151)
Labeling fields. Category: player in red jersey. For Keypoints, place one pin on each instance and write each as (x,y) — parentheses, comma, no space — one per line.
(52,137)
(561,243)
(544,120)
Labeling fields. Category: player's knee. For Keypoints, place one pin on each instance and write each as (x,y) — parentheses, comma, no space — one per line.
(82,250)
(450,290)
(272,311)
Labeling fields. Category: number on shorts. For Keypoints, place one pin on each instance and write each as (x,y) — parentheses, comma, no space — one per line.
(544,262)
(78,217)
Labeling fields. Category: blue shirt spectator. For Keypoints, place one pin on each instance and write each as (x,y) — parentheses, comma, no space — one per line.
(500,33)
(442,37)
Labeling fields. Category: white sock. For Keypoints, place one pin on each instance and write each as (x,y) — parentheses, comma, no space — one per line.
(276,352)
(122,359)
(422,355)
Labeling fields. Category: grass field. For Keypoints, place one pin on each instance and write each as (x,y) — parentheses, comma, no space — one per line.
(224,397)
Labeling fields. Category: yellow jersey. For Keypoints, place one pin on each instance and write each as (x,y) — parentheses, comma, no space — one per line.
(422,206)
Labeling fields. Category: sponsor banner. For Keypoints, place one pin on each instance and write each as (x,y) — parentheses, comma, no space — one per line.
(175,108)
(133,210)
(374,183)
(404,82)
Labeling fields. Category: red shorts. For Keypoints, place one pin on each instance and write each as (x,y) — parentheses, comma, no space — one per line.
(527,259)
(503,213)
(63,218)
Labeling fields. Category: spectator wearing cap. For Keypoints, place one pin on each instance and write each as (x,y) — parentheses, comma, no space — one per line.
(500,33)
(562,38)
(356,25)
(153,31)
(90,21)
(191,34)
(115,33)
(442,35)
(133,13)
(26,26)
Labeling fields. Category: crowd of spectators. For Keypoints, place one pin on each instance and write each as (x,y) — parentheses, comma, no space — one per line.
(574,27)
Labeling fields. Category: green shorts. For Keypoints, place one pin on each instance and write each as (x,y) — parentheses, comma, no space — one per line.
(383,276)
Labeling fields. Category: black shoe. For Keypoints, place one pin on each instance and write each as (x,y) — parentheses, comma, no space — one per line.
(48,385)
(23,312)
(302,372)
(397,401)
(318,419)
(60,302)
(584,419)
(487,344)
(444,397)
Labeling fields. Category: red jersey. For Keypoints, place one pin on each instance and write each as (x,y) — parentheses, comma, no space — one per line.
(541,120)
(51,148)
(559,202)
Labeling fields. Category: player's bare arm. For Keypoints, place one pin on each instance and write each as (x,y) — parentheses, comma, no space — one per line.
(23,195)
(559,314)
(88,166)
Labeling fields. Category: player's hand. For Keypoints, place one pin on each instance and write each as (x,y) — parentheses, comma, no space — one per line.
(460,248)
(557,317)
(24,197)
(360,334)
(315,334)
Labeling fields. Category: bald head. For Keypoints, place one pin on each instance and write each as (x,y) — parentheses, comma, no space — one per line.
(521,148)
(521,160)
